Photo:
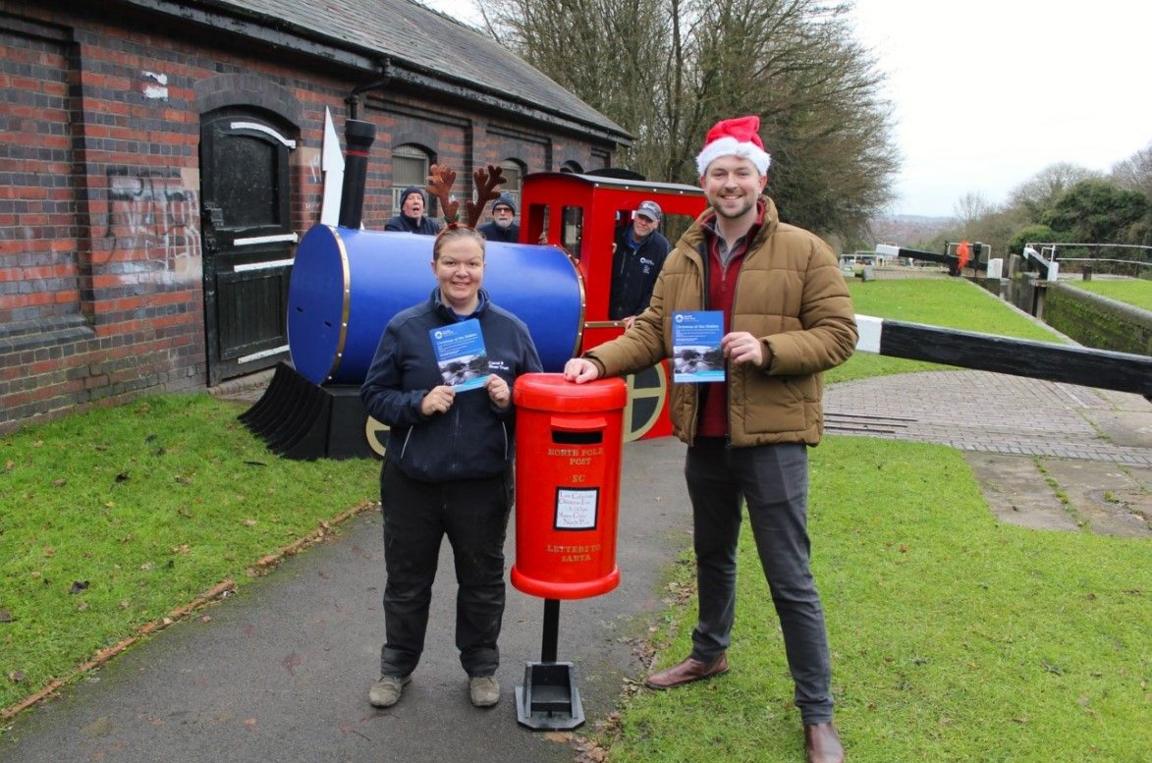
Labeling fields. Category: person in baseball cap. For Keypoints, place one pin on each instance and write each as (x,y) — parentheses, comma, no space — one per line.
(788,317)
(637,256)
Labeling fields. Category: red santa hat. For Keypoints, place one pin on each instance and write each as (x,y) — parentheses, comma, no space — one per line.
(734,137)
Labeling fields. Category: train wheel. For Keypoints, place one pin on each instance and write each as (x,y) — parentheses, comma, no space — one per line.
(374,434)
(647,392)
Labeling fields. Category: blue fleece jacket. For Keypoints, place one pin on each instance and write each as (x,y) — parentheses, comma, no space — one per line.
(474,438)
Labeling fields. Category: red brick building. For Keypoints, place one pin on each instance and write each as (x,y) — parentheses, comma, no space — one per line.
(159,159)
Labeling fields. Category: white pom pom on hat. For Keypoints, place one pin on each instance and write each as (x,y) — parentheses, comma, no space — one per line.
(739,136)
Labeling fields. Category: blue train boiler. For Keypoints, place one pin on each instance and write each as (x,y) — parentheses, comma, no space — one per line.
(348,283)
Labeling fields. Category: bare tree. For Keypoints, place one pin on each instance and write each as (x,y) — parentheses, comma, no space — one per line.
(970,207)
(1040,192)
(1135,172)
(667,69)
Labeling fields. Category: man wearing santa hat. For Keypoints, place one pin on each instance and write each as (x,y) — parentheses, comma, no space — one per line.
(788,317)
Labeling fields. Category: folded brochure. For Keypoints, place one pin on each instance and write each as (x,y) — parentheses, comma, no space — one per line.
(460,354)
(696,354)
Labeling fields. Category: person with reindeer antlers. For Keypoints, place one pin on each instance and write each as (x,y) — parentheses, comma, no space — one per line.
(447,470)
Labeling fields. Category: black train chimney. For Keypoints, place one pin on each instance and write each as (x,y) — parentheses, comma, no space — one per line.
(358,137)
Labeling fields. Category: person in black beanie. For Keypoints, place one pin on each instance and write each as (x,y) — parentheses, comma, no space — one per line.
(411,218)
(502,228)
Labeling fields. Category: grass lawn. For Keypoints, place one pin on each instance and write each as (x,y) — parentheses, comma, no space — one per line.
(948,302)
(1135,292)
(954,638)
(113,518)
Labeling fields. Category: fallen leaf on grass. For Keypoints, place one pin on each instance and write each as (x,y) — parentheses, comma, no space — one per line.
(249,522)
(16,676)
(59,482)
(183,480)
(9,465)
(147,566)
(78,586)
(124,604)
(5,616)
(49,551)
(82,606)
(183,548)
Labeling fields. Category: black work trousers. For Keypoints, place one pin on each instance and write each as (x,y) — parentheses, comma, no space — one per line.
(417,515)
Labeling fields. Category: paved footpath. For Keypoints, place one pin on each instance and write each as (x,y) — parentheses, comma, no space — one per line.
(280,672)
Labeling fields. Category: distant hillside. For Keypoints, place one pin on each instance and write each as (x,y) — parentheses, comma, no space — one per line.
(909,230)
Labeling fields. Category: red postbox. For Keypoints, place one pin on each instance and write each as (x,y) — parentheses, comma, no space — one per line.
(568,439)
(567,489)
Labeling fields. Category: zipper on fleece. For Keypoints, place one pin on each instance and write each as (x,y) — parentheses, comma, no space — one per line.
(404,447)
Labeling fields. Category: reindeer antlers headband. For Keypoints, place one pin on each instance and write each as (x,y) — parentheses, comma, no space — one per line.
(440,180)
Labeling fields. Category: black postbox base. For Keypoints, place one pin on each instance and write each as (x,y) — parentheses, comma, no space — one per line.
(549,698)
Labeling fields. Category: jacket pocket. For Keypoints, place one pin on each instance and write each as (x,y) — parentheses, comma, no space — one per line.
(773,404)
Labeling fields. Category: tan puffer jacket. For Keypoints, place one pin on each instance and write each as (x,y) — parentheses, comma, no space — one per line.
(790,293)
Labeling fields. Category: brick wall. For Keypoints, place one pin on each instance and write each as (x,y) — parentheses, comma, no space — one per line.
(101,257)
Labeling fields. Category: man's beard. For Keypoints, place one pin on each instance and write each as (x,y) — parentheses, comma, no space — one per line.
(501,223)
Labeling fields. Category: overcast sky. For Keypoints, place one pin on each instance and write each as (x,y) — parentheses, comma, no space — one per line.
(987,93)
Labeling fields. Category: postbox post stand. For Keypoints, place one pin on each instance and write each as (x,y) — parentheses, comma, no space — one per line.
(549,698)
(551,633)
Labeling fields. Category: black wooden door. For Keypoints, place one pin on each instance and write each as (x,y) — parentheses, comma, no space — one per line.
(248,241)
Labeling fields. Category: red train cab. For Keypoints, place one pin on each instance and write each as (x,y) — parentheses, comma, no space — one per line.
(580,213)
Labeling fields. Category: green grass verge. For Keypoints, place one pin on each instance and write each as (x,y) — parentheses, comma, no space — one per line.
(149,504)
(954,638)
(951,302)
(1135,292)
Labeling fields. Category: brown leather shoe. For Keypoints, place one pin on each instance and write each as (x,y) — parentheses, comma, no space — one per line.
(823,743)
(686,672)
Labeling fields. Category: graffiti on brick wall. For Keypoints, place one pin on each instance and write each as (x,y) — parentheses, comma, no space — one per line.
(155,215)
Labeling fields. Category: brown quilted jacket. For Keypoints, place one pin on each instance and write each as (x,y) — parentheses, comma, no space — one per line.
(790,293)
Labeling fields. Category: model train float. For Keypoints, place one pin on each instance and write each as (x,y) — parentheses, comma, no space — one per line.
(348,282)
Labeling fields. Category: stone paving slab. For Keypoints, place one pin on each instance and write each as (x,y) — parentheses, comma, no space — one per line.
(996,413)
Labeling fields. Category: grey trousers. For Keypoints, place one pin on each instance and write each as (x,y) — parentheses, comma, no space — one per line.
(773,480)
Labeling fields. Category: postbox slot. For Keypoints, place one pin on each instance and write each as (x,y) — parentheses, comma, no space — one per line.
(578,431)
(577,438)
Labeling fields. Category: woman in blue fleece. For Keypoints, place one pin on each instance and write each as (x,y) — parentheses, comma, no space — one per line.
(447,469)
